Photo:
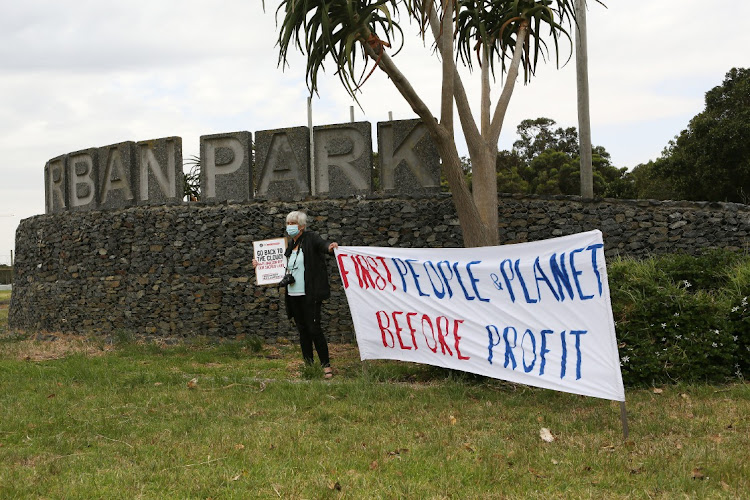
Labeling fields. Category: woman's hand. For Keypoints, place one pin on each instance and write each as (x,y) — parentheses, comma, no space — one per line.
(255,263)
(332,246)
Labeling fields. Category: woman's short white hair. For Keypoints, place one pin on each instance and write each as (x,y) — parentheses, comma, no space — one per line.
(299,217)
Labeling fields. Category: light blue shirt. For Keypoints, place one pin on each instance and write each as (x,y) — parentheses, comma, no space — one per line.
(296,266)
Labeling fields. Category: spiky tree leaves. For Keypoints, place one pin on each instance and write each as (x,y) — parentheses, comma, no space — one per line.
(494,25)
(352,34)
(337,30)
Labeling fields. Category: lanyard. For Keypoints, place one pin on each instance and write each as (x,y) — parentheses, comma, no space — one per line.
(296,256)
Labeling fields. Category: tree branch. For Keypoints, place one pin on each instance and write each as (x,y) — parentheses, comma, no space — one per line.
(502,104)
(485,102)
(468,124)
(403,85)
(446,50)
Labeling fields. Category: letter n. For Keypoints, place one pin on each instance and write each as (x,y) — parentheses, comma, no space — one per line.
(159,164)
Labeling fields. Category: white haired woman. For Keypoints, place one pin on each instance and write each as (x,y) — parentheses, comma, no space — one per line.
(306,262)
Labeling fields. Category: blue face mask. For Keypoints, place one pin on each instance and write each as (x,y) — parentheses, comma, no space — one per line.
(292,230)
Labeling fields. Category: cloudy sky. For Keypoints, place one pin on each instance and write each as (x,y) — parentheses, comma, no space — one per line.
(82,73)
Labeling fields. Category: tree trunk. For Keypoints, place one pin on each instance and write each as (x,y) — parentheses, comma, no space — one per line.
(584,116)
(476,232)
(484,189)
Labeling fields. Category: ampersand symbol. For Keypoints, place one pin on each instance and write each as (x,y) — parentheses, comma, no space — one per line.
(496,281)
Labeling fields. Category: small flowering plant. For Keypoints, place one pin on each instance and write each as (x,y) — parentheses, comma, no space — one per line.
(671,329)
(739,328)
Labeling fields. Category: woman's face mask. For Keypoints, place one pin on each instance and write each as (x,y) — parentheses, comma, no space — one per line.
(292,230)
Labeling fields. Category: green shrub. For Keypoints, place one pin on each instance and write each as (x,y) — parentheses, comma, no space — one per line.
(703,272)
(681,318)
(738,295)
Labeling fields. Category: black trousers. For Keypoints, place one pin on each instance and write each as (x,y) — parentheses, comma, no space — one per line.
(306,316)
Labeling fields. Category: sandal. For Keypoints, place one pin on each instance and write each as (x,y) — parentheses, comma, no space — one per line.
(328,372)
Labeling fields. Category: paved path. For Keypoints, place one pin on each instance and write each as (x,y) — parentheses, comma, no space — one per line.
(6,287)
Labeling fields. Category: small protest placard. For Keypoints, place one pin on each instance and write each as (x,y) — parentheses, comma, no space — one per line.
(271,262)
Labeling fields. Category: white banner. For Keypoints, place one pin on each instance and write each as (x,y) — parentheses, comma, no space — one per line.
(271,261)
(534,313)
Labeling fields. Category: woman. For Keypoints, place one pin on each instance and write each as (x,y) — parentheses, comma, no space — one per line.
(306,262)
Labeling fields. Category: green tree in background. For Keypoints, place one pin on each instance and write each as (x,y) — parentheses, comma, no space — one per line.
(710,160)
(545,160)
(537,136)
(511,173)
(645,182)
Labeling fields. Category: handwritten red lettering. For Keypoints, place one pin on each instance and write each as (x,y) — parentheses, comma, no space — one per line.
(344,272)
(385,328)
(392,325)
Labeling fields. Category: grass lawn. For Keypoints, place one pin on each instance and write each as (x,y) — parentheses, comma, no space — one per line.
(4,303)
(83,418)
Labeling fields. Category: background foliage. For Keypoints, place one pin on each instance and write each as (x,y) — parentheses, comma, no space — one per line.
(682,318)
(708,161)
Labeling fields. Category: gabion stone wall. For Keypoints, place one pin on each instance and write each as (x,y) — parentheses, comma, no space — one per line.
(184,270)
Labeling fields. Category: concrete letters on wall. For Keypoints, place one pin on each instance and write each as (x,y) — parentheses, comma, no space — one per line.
(55,186)
(226,166)
(82,180)
(343,160)
(282,164)
(409,160)
(150,172)
(117,175)
(159,166)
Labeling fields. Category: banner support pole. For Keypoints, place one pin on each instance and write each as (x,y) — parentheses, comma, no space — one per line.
(624,420)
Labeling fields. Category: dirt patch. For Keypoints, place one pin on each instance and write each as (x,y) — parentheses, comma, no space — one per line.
(58,347)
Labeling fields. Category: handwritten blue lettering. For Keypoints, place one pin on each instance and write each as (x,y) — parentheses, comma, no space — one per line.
(543,351)
(474,280)
(438,293)
(446,280)
(492,344)
(527,351)
(593,249)
(460,282)
(528,333)
(577,334)
(416,277)
(560,274)
(496,281)
(508,351)
(523,282)
(508,279)
(540,276)
(402,271)
(577,273)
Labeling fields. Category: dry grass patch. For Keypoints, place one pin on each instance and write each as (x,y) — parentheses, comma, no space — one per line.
(58,347)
